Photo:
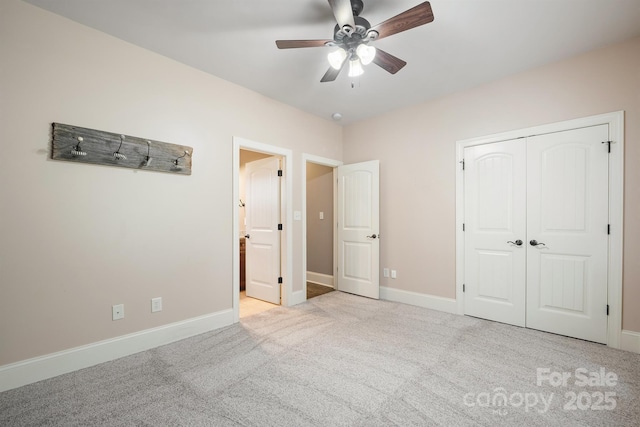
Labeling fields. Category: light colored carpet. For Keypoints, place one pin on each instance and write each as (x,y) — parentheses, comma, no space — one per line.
(342,360)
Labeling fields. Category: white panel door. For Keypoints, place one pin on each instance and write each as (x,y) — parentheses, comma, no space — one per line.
(567,218)
(495,230)
(358,229)
(262,212)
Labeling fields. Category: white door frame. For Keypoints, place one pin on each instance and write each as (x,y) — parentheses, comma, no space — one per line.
(286,248)
(615,121)
(310,158)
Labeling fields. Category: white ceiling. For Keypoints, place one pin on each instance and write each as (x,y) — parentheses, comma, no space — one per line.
(469,43)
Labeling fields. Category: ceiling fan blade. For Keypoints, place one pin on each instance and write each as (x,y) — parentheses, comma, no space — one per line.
(388,62)
(414,17)
(332,73)
(343,12)
(291,44)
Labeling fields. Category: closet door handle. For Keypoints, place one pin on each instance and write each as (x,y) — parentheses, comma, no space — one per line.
(373,236)
(536,243)
(517,242)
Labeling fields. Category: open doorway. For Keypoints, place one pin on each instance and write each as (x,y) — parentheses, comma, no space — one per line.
(250,162)
(319,213)
(320,229)
(268,267)
(356,232)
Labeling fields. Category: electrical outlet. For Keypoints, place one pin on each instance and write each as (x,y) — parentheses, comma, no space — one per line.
(117,311)
(321,215)
(385,272)
(156,304)
(394,274)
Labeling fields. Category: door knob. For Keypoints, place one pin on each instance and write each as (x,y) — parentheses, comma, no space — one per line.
(536,243)
(373,236)
(247,236)
(517,242)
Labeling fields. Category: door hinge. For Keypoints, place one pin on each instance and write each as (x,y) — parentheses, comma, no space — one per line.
(608,228)
(462,163)
(463,226)
(609,145)
(279,279)
(463,288)
(607,309)
(279,172)
(280,227)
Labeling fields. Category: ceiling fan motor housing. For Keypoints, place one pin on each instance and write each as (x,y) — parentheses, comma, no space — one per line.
(345,35)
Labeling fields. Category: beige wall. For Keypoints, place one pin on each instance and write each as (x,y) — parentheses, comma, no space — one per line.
(77,238)
(319,231)
(416,148)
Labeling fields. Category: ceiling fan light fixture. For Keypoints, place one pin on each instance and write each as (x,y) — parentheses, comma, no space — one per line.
(352,35)
(336,58)
(366,53)
(355,67)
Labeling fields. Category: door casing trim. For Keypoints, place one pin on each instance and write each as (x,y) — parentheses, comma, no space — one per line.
(615,120)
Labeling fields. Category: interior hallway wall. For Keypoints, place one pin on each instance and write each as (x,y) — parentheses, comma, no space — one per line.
(417,151)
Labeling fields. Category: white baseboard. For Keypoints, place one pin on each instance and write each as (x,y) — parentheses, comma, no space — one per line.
(630,341)
(297,297)
(448,305)
(320,279)
(40,368)
(300,296)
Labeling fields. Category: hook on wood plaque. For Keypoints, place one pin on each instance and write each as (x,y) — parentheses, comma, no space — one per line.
(78,144)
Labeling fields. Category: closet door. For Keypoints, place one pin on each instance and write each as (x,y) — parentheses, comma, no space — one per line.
(567,241)
(495,230)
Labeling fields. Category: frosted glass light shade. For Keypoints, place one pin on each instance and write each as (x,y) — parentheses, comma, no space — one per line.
(336,58)
(355,67)
(366,53)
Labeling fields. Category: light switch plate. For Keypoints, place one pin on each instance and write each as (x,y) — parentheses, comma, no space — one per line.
(156,304)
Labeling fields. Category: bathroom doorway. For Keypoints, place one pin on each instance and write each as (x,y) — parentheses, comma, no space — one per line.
(259,295)
(261,252)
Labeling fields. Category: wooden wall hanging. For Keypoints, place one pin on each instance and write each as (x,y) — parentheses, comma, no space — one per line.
(78,144)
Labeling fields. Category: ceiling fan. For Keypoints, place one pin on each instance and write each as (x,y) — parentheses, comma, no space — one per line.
(353,34)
